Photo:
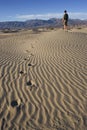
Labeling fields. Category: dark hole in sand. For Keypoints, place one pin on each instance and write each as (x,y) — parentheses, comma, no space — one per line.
(21,72)
(29,83)
(29,64)
(14,103)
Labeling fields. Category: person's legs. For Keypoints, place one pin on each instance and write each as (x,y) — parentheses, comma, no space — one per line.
(65,25)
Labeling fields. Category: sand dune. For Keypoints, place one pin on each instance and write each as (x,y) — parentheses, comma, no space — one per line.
(43,81)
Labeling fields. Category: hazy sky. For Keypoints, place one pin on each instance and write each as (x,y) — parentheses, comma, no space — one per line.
(41,9)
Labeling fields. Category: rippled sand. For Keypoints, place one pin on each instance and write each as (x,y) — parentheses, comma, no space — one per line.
(43,80)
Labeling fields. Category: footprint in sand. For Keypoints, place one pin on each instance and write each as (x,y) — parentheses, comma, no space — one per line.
(14,103)
(21,72)
(29,56)
(29,64)
(31,84)
(17,104)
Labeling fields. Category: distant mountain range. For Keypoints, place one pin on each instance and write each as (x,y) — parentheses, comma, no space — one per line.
(53,22)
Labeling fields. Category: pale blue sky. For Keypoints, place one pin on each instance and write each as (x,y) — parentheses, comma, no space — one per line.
(20,10)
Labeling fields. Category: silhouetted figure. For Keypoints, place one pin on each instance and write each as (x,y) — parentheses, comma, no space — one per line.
(65,20)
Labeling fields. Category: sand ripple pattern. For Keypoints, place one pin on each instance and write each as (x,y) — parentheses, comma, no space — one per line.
(43,81)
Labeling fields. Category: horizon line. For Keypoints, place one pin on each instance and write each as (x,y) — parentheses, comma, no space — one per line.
(24,17)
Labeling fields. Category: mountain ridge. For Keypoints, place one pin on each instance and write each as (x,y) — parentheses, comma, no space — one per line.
(34,23)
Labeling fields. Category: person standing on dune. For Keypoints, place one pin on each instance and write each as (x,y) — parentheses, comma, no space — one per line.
(65,20)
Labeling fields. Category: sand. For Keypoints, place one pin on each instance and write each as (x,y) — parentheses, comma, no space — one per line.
(43,80)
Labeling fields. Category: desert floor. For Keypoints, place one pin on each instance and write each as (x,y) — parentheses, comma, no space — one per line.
(43,80)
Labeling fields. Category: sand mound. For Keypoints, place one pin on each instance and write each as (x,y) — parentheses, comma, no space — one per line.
(43,81)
